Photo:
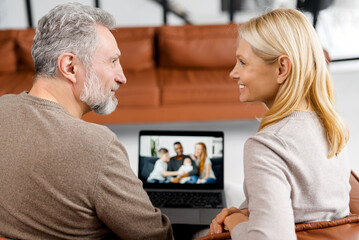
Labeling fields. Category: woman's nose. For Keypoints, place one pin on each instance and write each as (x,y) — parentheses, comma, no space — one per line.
(234,74)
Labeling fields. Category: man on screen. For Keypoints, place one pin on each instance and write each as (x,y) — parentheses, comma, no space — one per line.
(177,161)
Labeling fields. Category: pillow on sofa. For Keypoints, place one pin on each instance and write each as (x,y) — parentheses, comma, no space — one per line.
(8,61)
(344,228)
(202,46)
(24,43)
(137,47)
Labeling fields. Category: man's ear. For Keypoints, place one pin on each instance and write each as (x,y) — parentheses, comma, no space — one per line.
(284,68)
(67,66)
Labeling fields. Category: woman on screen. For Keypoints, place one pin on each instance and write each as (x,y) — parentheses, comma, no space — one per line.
(206,174)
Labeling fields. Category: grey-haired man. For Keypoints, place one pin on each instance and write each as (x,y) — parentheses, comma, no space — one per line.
(61,177)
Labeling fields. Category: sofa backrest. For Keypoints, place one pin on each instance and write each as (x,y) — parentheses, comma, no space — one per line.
(16,46)
(217,167)
(200,46)
(24,41)
(8,60)
(146,164)
(137,47)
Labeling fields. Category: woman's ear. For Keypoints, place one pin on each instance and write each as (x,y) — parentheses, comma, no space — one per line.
(67,67)
(285,67)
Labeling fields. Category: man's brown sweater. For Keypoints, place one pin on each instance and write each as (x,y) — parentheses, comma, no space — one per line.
(64,178)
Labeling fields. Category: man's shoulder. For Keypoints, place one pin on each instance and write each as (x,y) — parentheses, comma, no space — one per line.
(93,131)
(96,139)
(8,98)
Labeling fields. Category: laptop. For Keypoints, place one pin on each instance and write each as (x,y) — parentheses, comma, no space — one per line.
(188,201)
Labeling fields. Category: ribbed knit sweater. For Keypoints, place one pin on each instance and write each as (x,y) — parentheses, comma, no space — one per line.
(290,179)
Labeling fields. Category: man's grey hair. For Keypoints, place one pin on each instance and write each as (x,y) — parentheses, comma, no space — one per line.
(67,28)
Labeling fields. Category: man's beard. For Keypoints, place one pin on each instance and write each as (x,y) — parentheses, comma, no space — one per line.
(100,101)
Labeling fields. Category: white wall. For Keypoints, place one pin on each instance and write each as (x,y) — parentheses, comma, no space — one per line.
(338,29)
(188,144)
(337,25)
(346,82)
(12,14)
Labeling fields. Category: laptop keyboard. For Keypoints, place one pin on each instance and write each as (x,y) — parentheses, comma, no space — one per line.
(186,199)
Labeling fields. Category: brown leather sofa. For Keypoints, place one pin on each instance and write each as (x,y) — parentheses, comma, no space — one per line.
(174,73)
(340,229)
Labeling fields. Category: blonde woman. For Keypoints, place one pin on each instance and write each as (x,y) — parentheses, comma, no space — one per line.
(206,174)
(294,171)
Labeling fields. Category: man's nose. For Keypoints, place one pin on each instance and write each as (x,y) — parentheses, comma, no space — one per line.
(120,76)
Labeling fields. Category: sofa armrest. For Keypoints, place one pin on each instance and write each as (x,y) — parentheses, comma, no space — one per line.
(326,224)
(344,228)
(354,193)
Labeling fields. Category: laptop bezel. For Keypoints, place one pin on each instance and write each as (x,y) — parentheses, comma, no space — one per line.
(216,186)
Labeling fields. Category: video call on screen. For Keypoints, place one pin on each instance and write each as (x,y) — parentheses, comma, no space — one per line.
(149,155)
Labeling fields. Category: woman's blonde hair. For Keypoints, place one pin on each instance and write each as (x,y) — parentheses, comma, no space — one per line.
(288,32)
(202,158)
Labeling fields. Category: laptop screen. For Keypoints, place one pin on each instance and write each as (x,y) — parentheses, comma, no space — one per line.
(181,159)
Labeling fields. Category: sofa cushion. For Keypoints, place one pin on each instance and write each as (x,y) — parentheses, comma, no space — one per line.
(146,164)
(198,46)
(5,84)
(217,167)
(137,47)
(24,42)
(197,86)
(8,60)
(15,82)
(141,90)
